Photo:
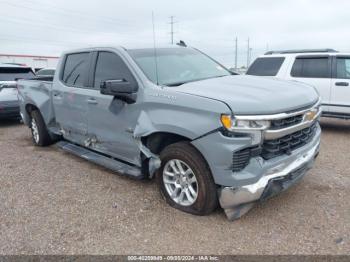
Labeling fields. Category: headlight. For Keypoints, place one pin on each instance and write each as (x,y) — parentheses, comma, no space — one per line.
(233,124)
(312,114)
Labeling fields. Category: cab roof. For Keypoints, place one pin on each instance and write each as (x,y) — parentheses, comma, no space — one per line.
(123,47)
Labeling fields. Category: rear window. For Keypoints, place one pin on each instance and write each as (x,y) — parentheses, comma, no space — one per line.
(75,68)
(46,72)
(265,66)
(311,67)
(13,73)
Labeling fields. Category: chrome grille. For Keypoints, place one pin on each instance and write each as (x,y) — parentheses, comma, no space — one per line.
(288,143)
(286,122)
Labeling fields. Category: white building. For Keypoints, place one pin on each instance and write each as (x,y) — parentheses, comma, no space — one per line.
(34,61)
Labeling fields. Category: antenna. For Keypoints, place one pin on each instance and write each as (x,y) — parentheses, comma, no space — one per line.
(248,53)
(236,51)
(155,50)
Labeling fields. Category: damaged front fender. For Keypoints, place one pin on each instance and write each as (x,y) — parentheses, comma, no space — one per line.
(153,159)
(144,127)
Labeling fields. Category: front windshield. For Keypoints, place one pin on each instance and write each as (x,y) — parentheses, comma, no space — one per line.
(177,66)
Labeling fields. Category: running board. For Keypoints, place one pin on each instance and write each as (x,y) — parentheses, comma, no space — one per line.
(101,160)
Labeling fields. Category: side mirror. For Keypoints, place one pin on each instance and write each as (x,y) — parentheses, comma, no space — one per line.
(121,89)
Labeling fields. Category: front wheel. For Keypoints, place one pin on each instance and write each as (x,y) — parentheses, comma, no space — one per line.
(185,180)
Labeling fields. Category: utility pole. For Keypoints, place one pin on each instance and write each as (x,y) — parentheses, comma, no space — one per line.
(172,29)
(236,52)
(248,53)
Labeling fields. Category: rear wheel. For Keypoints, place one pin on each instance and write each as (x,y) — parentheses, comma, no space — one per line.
(185,180)
(40,134)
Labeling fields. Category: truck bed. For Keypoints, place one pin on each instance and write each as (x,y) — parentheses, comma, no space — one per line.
(36,92)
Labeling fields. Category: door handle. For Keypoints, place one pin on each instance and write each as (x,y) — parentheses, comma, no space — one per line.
(342,84)
(92,101)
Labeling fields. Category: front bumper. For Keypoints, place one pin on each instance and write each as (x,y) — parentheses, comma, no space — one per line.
(236,201)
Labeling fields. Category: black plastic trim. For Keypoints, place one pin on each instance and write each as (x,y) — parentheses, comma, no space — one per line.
(336,105)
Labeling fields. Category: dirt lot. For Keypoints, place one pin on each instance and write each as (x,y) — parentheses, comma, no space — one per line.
(54,203)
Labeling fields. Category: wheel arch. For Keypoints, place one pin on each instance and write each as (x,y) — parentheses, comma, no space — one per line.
(26,113)
(30,108)
(157,141)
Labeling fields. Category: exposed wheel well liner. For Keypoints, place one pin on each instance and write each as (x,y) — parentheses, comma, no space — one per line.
(30,108)
(156,142)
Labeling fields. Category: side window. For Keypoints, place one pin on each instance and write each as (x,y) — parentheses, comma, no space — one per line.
(343,67)
(265,66)
(110,66)
(312,67)
(75,69)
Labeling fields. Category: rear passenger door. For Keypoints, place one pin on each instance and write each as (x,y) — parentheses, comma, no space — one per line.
(111,120)
(316,71)
(340,94)
(69,96)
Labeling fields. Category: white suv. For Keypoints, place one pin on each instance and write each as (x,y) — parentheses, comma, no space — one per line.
(325,69)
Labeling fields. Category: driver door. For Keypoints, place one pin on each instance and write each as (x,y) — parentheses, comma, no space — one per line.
(111,121)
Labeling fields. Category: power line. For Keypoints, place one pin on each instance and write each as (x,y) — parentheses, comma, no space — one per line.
(25,22)
(73,13)
(43,23)
(31,22)
(24,39)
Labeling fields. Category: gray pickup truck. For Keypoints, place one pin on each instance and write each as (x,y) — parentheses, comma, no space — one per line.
(208,136)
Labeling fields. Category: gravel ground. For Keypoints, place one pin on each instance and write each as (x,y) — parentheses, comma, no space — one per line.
(54,203)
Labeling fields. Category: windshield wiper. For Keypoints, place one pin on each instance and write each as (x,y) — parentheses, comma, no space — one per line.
(177,83)
(194,80)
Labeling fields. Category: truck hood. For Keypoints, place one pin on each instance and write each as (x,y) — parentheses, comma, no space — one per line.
(252,95)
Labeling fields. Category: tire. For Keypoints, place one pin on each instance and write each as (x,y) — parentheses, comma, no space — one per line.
(206,199)
(40,134)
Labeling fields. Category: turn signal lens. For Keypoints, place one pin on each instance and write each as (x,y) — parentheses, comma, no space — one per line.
(226,121)
(311,115)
